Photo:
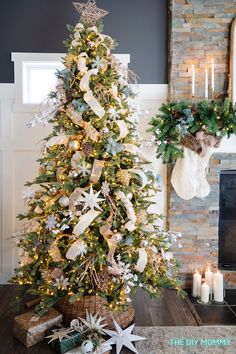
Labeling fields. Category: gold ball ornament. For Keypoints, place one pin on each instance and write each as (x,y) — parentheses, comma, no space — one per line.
(105,155)
(64,201)
(74,145)
(38,195)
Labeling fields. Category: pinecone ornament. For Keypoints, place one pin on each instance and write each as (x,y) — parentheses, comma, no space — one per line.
(141,217)
(42,170)
(103,278)
(69,60)
(87,148)
(123,177)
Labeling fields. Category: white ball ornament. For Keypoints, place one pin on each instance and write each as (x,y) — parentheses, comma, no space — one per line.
(64,201)
(130,196)
(87,347)
(118,236)
(74,145)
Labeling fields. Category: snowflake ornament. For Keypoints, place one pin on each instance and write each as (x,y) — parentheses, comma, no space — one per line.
(105,189)
(28,193)
(51,222)
(98,63)
(114,114)
(61,283)
(90,199)
(113,147)
(84,169)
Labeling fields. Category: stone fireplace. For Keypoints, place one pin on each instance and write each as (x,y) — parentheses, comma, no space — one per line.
(199,31)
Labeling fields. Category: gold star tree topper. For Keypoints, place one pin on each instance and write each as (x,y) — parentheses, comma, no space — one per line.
(90,13)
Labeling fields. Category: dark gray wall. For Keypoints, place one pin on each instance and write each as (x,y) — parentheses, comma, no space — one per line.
(139,26)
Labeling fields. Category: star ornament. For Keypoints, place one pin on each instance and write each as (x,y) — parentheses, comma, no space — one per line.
(60,334)
(90,13)
(94,322)
(122,338)
(91,200)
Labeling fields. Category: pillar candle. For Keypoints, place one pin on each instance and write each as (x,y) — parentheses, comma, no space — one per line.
(212,75)
(193,81)
(197,278)
(209,278)
(205,293)
(206,84)
(218,287)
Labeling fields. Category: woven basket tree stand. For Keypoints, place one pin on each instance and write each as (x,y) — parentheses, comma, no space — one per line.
(94,304)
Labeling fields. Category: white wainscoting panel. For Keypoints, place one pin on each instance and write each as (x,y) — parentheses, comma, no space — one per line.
(150,99)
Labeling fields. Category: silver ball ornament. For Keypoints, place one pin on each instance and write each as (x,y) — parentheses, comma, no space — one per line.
(74,145)
(105,131)
(64,201)
(53,190)
(73,174)
(87,347)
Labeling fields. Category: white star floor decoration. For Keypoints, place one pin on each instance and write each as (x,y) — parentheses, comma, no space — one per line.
(122,338)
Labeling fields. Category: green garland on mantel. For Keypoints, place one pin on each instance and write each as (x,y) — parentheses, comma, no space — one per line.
(179,122)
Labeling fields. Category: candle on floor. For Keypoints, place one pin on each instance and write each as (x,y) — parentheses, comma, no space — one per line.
(197,278)
(205,293)
(209,278)
(212,76)
(193,81)
(206,84)
(218,287)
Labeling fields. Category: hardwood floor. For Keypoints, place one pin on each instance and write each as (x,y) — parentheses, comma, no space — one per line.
(167,311)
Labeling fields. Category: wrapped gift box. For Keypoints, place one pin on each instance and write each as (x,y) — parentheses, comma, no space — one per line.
(30,329)
(70,341)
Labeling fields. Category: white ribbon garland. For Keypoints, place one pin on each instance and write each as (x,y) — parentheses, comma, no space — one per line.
(142,260)
(81,63)
(94,104)
(78,248)
(84,83)
(84,222)
(124,131)
(114,90)
(58,140)
(130,225)
(141,174)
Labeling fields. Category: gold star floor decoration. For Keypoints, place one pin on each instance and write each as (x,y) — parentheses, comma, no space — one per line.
(90,13)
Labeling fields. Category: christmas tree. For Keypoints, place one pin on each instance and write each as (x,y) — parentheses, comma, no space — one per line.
(88,228)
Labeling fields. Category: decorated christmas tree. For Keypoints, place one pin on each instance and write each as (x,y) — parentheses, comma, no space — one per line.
(88,229)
